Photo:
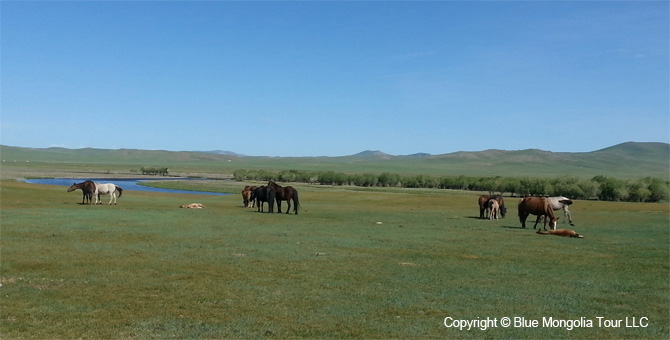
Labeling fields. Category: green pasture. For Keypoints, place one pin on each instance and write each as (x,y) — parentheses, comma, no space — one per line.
(355,263)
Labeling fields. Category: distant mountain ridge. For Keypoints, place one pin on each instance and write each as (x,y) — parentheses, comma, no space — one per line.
(625,160)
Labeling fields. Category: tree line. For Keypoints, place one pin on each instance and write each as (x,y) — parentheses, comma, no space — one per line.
(648,189)
(154,171)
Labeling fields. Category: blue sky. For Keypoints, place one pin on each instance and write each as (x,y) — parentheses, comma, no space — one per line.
(334,78)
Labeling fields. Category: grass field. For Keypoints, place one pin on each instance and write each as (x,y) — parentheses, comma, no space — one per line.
(355,263)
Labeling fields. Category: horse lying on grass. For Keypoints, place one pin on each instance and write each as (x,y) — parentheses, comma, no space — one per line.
(193,206)
(561,232)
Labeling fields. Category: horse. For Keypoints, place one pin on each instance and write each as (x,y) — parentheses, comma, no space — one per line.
(561,232)
(264,194)
(494,209)
(483,202)
(246,196)
(287,194)
(87,188)
(193,206)
(107,189)
(562,203)
(539,206)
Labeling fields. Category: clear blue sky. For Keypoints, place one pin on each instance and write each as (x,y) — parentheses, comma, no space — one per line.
(334,78)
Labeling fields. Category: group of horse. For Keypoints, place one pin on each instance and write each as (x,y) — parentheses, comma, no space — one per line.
(493,207)
(92,189)
(490,206)
(257,196)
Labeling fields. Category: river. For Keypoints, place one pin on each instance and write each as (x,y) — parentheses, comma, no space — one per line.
(125,183)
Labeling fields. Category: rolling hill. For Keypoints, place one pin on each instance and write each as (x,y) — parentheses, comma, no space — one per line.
(626,160)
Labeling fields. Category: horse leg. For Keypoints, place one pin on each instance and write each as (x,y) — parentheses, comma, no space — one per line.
(566,213)
(538,220)
(278,205)
(288,208)
(522,217)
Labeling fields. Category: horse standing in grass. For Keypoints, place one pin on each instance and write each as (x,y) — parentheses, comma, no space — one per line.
(494,209)
(87,188)
(107,189)
(287,194)
(246,196)
(562,203)
(539,206)
(483,205)
(264,194)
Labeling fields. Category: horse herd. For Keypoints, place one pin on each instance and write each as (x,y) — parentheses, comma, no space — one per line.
(257,196)
(91,189)
(493,207)
(252,195)
(490,206)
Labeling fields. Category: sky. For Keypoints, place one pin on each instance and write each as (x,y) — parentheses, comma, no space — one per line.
(333,78)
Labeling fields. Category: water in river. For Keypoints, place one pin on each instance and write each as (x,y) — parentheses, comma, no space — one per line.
(125,183)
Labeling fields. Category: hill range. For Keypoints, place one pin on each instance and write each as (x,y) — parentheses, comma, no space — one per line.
(626,160)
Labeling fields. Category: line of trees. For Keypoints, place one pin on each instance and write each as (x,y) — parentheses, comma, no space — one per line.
(154,171)
(648,189)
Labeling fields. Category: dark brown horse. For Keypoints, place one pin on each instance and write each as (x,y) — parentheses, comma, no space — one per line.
(287,194)
(87,187)
(539,206)
(483,203)
(264,194)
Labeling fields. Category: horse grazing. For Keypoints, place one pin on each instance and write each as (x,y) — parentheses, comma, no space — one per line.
(246,196)
(264,194)
(483,205)
(494,209)
(287,194)
(539,206)
(107,189)
(562,203)
(87,188)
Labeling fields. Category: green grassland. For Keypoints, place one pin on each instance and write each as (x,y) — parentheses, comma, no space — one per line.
(355,263)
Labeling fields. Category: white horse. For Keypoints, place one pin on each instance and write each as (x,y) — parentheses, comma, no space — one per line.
(494,209)
(106,189)
(561,203)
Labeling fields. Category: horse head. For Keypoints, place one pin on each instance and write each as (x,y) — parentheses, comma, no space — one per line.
(73,187)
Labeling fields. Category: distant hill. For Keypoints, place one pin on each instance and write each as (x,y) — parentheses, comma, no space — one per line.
(222,152)
(626,160)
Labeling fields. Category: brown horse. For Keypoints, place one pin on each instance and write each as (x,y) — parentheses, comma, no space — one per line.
(246,196)
(287,194)
(483,205)
(539,206)
(561,232)
(87,188)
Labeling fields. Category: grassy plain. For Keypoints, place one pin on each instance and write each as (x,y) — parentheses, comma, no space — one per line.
(355,263)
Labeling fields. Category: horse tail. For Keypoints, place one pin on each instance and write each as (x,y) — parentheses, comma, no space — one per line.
(296,202)
(521,211)
(119,190)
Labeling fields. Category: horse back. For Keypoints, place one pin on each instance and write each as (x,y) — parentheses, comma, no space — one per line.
(537,206)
